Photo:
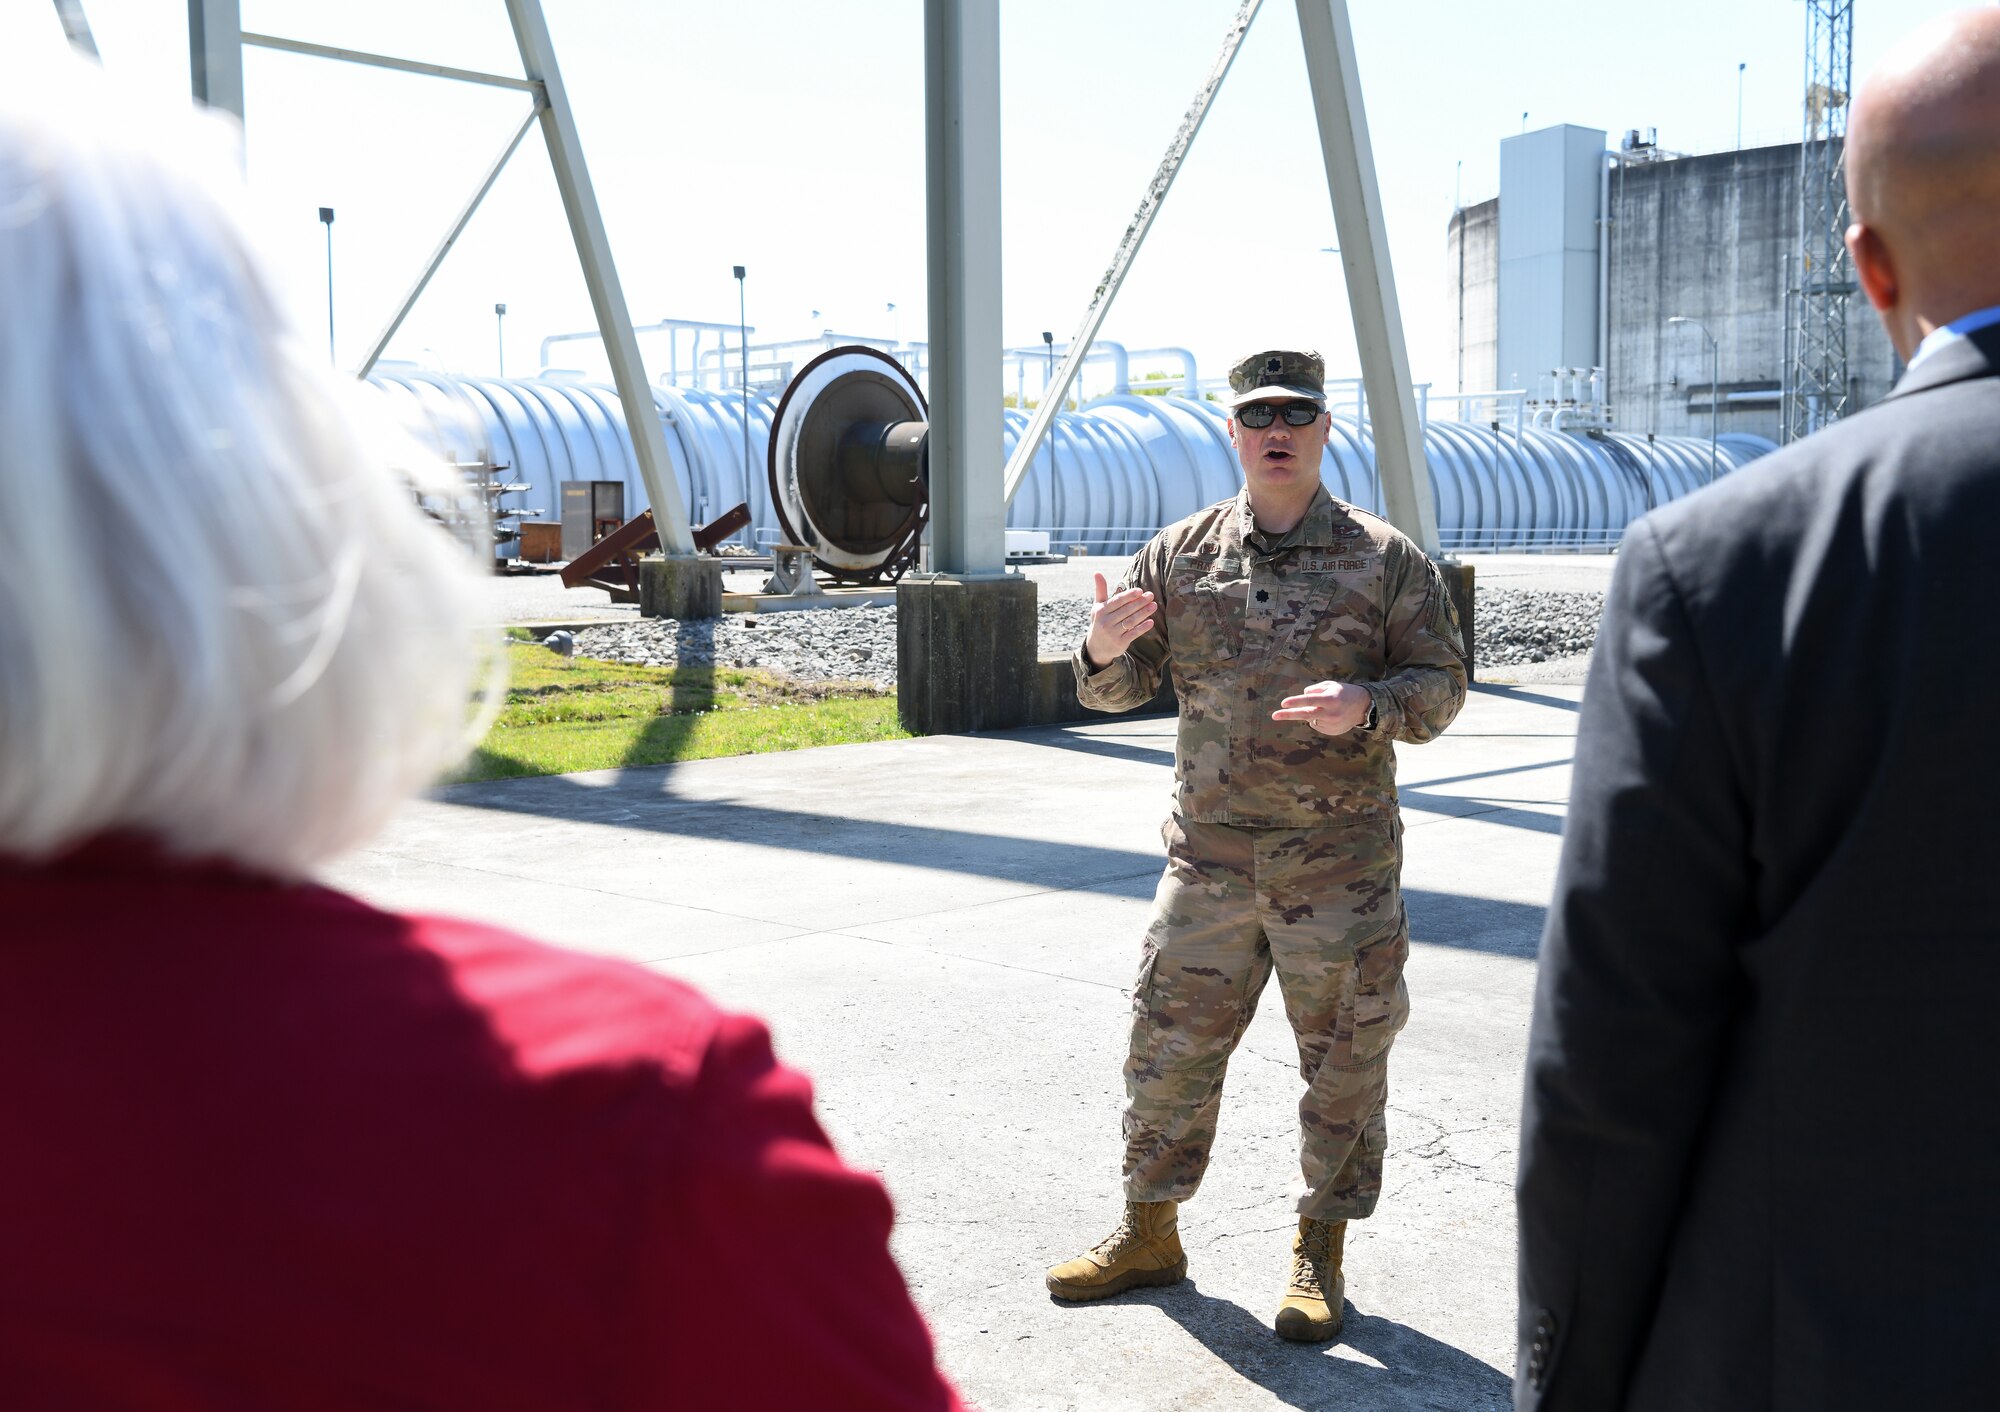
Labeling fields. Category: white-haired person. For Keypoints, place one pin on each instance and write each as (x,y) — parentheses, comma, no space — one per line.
(262,1145)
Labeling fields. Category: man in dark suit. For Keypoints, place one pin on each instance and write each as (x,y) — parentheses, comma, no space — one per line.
(1760,1153)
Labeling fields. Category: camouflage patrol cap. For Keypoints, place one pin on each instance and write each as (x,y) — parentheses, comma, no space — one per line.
(1278,375)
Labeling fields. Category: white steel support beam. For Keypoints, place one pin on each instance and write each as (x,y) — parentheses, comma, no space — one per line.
(386,61)
(962,197)
(444,246)
(1364,255)
(76,28)
(1128,249)
(607,298)
(215,53)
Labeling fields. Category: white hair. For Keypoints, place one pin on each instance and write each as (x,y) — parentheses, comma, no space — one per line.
(224,624)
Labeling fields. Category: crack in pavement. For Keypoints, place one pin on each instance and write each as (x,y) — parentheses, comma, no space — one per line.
(1260,1230)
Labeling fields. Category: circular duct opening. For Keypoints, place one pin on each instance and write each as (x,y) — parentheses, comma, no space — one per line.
(847,460)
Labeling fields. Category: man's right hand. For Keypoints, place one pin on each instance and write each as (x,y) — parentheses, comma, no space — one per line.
(1116,621)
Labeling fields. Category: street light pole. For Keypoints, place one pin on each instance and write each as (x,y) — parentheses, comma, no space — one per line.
(1714,399)
(743,343)
(1050,339)
(326,219)
(500,335)
(1714,385)
(1739,106)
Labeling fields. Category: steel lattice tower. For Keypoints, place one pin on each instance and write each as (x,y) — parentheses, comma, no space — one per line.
(1816,391)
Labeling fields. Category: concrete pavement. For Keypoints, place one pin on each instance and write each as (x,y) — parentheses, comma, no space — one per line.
(941,932)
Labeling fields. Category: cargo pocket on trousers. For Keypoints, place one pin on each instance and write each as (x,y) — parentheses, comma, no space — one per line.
(1139,1036)
(1142,984)
(1379,1015)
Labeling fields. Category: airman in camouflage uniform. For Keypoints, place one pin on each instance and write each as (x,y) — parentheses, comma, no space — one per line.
(1302,645)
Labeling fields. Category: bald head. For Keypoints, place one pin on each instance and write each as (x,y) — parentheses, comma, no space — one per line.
(1923,176)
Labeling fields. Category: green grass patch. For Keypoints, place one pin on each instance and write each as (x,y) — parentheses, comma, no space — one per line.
(568,714)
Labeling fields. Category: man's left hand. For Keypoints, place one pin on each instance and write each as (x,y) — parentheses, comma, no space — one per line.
(1329,707)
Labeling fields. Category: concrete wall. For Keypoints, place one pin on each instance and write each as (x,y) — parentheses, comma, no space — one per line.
(1707,237)
(1472,276)
(1703,237)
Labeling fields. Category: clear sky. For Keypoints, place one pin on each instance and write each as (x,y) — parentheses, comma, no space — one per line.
(787,136)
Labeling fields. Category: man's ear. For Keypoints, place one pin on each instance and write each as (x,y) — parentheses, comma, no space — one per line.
(1874,267)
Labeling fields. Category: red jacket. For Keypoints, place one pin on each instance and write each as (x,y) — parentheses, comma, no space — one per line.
(266,1147)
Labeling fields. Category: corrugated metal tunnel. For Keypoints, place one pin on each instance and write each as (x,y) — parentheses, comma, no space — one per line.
(1108,476)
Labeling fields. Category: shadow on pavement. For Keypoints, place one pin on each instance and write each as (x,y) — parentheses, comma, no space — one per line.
(635,802)
(1529,768)
(1533,698)
(1416,1372)
(1487,924)
(1486,811)
(1450,805)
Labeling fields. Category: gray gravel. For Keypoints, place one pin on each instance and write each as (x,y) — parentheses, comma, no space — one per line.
(828,644)
(1514,626)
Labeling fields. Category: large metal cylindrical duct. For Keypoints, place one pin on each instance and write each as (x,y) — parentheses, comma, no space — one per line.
(1106,478)
(549,430)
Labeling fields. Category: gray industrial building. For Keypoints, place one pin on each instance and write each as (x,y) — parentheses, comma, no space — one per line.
(1714,239)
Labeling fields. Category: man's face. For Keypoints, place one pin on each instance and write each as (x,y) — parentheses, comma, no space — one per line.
(1280,458)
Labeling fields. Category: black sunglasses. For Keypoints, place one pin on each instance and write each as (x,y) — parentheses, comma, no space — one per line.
(1262,414)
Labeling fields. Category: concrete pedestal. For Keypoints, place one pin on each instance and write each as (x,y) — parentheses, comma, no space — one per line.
(1458,583)
(1056,701)
(965,654)
(680,587)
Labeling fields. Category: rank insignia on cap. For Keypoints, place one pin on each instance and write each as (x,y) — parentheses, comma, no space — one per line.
(1277,373)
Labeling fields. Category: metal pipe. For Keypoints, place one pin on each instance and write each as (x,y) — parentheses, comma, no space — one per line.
(1103,351)
(591,334)
(1127,464)
(1190,384)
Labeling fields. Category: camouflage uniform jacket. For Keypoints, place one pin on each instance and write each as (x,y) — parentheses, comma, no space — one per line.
(1342,597)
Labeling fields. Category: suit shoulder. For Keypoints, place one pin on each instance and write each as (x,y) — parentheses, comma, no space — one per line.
(1928,433)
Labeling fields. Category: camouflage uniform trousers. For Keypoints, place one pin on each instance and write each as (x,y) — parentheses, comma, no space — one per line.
(1324,906)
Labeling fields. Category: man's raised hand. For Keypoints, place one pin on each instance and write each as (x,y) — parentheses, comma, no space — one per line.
(1116,620)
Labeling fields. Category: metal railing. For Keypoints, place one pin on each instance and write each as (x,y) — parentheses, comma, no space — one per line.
(1528,541)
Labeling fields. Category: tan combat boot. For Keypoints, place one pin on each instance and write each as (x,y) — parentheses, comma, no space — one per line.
(1311,1311)
(1144,1250)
